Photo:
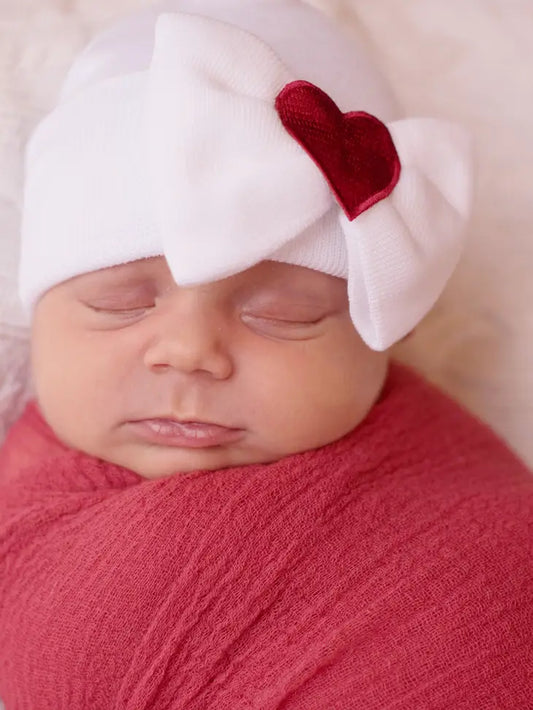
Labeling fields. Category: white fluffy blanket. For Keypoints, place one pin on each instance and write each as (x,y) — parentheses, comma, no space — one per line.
(469,61)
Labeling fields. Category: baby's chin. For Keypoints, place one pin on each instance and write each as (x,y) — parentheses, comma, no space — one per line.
(154,462)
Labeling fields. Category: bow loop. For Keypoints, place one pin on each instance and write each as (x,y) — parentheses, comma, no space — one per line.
(402,251)
(220,160)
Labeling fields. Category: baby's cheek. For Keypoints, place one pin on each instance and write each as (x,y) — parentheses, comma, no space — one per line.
(292,393)
(346,382)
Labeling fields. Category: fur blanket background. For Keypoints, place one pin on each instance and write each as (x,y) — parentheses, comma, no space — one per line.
(465,60)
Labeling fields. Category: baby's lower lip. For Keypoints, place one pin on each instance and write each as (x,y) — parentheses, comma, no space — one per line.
(195,435)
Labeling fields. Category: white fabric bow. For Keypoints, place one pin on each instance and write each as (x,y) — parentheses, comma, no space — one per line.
(231,186)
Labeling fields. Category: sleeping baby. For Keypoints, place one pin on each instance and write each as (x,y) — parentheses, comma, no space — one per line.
(225,494)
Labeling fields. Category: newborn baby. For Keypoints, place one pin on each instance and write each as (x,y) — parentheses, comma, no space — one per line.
(225,494)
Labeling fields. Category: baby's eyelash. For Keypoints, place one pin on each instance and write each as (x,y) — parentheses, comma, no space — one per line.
(283,321)
(118,311)
(265,323)
(125,311)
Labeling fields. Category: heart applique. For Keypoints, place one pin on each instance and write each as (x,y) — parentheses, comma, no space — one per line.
(354,151)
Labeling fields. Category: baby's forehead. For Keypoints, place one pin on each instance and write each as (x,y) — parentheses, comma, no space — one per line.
(139,269)
(153,272)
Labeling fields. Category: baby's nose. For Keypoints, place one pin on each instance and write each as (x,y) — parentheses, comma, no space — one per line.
(191,342)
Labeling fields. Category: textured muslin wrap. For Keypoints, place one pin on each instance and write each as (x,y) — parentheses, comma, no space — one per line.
(390,569)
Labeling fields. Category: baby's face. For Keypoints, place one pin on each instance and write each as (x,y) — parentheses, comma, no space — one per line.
(269,355)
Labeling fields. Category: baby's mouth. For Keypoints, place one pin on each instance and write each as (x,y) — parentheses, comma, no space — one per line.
(187,434)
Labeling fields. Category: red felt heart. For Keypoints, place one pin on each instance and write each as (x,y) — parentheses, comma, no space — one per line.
(355,150)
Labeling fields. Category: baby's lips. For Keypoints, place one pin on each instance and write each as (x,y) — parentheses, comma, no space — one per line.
(188,434)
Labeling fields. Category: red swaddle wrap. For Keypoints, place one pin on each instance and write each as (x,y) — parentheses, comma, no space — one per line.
(390,569)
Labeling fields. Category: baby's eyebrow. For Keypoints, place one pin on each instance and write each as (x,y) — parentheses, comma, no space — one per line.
(306,292)
(117,277)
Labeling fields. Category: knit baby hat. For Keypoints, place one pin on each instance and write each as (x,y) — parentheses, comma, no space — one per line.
(220,133)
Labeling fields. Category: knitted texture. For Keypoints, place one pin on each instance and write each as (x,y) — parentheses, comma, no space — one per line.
(390,569)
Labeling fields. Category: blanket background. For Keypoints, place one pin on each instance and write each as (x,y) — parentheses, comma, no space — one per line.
(468,61)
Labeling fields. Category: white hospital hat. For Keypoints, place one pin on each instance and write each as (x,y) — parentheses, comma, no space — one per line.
(220,133)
